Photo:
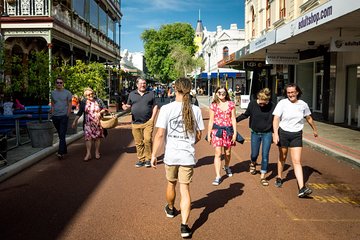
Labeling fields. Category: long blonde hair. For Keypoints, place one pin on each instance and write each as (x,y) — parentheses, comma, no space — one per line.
(183,86)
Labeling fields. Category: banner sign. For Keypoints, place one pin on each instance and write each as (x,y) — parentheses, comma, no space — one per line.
(318,16)
(345,45)
(262,42)
(282,58)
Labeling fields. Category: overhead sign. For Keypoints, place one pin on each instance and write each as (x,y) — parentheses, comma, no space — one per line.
(282,58)
(250,65)
(345,44)
(320,15)
(263,41)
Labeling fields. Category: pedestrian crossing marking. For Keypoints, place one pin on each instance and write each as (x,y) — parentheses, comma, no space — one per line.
(335,199)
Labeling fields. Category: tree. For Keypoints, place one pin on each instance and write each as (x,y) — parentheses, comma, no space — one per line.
(82,75)
(184,62)
(159,44)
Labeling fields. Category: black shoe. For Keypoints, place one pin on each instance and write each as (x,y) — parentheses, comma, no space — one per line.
(140,164)
(304,191)
(278,182)
(185,231)
(147,163)
(170,213)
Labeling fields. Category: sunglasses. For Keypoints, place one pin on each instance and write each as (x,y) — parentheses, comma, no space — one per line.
(59,82)
(221,93)
(90,94)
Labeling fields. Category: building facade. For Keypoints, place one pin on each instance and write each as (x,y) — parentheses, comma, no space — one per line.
(314,43)
(70,30)
(216,46)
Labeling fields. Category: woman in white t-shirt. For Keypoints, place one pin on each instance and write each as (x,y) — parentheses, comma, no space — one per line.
(288,123)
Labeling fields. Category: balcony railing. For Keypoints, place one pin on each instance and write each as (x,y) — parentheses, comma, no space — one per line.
(27,7)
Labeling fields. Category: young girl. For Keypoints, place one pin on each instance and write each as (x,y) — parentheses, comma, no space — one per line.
(222,130)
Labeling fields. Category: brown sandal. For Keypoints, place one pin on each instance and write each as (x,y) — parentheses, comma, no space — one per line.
(252,168)
(264,182)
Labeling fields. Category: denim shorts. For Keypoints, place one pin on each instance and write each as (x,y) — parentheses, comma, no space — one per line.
(290,139)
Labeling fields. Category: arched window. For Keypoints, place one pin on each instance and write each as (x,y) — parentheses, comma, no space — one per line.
(252,22)
(225,52)
(282,9)
(268,14)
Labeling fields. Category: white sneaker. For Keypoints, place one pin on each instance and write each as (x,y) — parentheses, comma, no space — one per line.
(216,182)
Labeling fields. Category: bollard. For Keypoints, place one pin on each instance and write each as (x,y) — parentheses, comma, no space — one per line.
(349,115)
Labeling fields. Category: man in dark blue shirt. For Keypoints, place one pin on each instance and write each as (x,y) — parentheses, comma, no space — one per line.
(143,110)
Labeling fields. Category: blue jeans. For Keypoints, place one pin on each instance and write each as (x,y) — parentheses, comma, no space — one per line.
(61,124)
(256,139)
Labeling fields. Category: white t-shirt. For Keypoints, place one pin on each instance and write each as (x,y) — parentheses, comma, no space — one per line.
(291,114)
(179,147)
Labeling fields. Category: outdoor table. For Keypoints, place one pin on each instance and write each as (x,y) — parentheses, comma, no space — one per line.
(16,118)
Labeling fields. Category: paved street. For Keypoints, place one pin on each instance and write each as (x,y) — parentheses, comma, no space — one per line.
(111,199)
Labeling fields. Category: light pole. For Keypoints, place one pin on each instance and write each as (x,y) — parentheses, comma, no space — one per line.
(209,77)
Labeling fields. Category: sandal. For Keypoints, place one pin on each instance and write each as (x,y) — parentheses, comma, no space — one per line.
(252,168)
(264,182)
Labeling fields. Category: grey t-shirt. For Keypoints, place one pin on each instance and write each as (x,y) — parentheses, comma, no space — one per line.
(61,100)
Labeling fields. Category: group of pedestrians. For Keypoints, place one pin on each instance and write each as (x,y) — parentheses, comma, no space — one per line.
(180,124)
(179,127)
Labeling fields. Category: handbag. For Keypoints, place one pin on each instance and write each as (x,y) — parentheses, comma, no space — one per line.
(109,121)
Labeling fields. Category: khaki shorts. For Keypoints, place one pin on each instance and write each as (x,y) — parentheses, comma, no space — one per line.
(182,174)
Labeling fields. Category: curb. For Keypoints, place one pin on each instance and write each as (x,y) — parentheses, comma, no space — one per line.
(22,164)
(333,153)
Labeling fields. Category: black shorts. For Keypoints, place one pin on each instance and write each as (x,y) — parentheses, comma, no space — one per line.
(290,139)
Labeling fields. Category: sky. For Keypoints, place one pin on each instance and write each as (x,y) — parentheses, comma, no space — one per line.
(139,15)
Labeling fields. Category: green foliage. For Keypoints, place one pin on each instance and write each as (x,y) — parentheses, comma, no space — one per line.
(159,44)
(184,62)
(81,76)
(38,76)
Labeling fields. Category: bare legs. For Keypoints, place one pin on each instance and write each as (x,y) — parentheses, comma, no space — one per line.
(185,200)
(295,153)
(217,159)
(88,144)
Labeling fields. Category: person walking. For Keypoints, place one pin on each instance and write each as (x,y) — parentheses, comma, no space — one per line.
(92,109)
(181,123)
(237,95)
(60,110)
(288,123)
(143,110)
(261,126)
(222,130)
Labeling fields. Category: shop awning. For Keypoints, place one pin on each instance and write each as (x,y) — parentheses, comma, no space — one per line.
(232,73)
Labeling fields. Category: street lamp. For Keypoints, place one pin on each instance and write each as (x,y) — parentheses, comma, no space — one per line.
(209,78)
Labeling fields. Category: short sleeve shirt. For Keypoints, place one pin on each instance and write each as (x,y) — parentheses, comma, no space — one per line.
(141,106)
(179,146)
(291,114)
(61,100)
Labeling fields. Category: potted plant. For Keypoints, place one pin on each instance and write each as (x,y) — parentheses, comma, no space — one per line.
(41,132)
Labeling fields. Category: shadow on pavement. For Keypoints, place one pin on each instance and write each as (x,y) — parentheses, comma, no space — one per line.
(56,190)
(208,160)
(215,200)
